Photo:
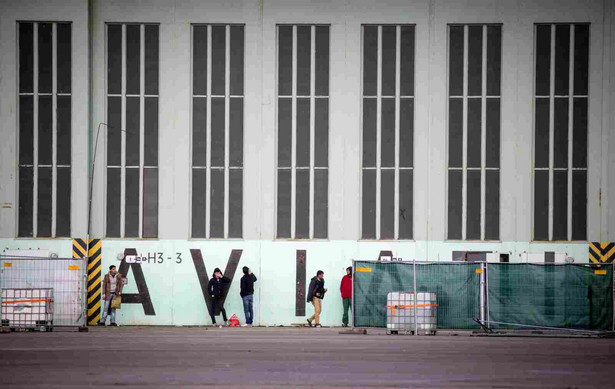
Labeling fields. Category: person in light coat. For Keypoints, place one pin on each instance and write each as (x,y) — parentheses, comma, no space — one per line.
(112,287)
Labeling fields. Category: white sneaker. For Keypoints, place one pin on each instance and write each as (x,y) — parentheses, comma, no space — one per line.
(245,325)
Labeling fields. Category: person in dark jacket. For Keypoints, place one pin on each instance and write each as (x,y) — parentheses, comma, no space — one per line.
(247,294)
(216,290)
(316,292)
(346,292)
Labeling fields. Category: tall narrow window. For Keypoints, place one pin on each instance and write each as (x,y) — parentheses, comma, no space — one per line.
(217,130)
(44,103)
(303,131)
(474,64)
(132,133)
(560,131)
(388,132)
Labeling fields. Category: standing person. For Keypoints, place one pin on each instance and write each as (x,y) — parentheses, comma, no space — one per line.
(112,286)
(216,290)
(346,291)
(316,292)
(247,294)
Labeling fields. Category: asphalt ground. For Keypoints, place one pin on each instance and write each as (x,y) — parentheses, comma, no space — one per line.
(295,357)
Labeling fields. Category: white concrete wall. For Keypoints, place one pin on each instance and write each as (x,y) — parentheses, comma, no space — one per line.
(431,19)
(260,18)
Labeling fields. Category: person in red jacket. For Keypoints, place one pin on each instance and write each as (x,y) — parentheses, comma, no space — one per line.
(346,291)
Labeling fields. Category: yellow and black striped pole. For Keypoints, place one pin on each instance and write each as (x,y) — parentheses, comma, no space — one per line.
(94,280)
(80,248)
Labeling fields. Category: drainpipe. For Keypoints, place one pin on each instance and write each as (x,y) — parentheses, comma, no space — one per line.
(90,119)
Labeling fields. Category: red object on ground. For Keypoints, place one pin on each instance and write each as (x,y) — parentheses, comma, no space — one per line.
(233,321)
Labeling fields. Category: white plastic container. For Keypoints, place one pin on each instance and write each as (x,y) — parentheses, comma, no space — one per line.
(400,312)
(27,308)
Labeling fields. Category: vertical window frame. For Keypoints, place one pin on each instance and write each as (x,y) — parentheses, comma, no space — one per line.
(313,167)
(398,99)
(35,93)
(229,167)
(570,97)
(124,95)
(484,98)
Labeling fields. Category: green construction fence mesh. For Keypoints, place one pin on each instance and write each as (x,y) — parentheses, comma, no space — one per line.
(456,287)
(549,295)
(563,296)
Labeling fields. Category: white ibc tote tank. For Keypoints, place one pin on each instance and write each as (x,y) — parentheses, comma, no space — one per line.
(400,312)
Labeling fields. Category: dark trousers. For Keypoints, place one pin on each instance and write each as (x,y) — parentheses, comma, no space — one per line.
(347,305)
(217,303)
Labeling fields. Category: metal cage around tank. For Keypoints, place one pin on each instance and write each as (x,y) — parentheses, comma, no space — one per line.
(42,293)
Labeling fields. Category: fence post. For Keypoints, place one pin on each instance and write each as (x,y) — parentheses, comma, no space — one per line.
(416,300)
(488,312)
(84,293)
(352,306)
(1,287)
(482,293)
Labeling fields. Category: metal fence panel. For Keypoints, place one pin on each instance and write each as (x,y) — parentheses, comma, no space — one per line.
(35,289)
(456,287)
(372,282)
(501,295)
(550,295)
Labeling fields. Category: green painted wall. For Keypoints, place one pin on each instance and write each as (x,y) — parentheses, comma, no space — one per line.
(176,293)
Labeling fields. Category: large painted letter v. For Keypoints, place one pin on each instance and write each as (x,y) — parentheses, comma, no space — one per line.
(201,273)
